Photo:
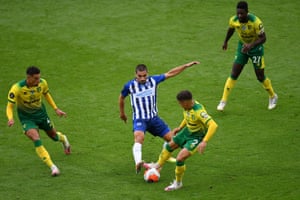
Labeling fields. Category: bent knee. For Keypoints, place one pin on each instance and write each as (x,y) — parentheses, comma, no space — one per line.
(139,136)
(168,136)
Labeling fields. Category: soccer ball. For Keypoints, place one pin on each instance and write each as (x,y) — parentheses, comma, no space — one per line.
(151,175)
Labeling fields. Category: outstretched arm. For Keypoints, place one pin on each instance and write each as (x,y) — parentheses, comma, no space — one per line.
(177,70)
(50,100)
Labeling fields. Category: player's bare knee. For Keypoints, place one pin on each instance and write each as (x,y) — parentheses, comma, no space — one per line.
(168,136)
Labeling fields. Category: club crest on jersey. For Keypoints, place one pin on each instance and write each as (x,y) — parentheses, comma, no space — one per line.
(187,114)
(243,28)
(39,89)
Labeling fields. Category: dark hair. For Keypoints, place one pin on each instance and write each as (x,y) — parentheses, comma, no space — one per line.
(32,70)
(242,5)
(141,67)
(184,95)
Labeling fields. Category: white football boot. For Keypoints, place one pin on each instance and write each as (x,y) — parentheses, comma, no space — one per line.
(174,186)
(273,102)
(221,106)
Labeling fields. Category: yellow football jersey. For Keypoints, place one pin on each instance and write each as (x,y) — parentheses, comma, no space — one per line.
(28,99)
(196,119)
(248,32)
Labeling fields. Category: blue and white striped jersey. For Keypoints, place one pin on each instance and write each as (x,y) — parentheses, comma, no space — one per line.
(143,96)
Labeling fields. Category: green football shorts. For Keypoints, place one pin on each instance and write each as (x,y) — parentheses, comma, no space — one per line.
(187,139)
(38,120)
(256,55)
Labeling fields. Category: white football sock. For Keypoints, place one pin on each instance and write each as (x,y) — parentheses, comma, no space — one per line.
(137,152)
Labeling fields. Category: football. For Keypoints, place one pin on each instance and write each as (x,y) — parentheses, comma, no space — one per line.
(151,175)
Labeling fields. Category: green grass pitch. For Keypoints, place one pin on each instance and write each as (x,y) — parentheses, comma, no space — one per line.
(88,49)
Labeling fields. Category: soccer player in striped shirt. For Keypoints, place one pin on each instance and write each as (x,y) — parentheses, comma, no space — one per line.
(143,96)
(27,96)
(251,39)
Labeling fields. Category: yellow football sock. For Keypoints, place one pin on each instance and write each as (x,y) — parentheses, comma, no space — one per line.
(163,157)
(179,172)
(227,88)
(44,155)
(268,87)
(60,136)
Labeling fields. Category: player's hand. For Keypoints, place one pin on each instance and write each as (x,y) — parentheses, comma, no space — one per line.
(10,122)
(60,113)
(176,130)
(224,47)
(201,147)
(123,117)
(246,48)
(192,63)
